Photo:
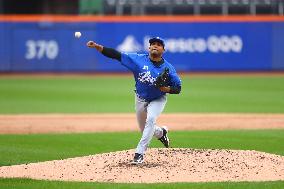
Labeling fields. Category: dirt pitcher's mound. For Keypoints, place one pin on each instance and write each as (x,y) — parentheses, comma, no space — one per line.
(161,165)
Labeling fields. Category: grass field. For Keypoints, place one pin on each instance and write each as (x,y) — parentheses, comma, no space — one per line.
(96,94)
(101,94)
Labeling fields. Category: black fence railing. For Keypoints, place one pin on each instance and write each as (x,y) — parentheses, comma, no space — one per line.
(144,7)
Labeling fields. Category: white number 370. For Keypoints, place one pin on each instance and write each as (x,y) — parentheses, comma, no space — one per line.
(41,48)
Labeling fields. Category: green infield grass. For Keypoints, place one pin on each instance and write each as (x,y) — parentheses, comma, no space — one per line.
(19,149)
(34,184)
(90,94)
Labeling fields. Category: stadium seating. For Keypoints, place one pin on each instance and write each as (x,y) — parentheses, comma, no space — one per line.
(183,7)
(192,7)
(238,7)
(266,7)
(144,7)
(90,6)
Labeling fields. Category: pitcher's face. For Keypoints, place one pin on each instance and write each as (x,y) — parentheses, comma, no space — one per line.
(156,49)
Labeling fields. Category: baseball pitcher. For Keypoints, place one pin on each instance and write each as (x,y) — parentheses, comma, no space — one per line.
(154,77)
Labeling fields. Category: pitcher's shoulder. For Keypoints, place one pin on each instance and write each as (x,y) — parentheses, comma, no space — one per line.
(169,65)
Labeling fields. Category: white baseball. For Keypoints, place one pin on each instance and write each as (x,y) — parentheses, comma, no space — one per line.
(78,34)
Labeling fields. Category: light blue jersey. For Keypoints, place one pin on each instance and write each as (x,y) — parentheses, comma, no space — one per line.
(145,74)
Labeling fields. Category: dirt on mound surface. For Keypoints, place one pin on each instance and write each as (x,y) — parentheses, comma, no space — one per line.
(160,165)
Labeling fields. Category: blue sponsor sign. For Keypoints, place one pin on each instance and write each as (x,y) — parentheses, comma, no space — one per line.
(239,46)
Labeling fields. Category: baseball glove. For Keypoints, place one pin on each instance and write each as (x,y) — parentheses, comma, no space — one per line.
(162,79)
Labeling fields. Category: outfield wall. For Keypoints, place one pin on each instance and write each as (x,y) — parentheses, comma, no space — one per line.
(47,44)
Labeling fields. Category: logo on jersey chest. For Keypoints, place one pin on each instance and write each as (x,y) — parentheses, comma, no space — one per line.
(146,77)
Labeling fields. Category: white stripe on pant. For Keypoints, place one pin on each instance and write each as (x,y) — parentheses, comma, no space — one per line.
(147,114)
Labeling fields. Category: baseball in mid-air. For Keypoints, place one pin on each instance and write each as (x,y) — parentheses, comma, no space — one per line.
(78,34)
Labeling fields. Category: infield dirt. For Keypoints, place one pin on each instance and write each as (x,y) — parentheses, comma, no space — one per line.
(78,123)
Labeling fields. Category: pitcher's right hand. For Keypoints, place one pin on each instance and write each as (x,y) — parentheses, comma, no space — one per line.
(92,44)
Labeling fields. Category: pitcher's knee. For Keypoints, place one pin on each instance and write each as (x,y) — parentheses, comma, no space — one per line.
(150,120)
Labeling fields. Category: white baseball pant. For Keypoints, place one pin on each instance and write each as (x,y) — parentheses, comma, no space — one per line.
(147,114)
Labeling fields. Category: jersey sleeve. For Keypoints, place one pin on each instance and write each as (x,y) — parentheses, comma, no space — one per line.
(175,80)
(128,60)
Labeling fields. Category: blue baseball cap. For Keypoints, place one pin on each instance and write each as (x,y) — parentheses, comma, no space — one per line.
(157,39)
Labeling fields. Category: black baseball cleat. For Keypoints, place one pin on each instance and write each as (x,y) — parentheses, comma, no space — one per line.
(165,139)
(138,159)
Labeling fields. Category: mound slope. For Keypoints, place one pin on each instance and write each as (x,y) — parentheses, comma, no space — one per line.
(161,165)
